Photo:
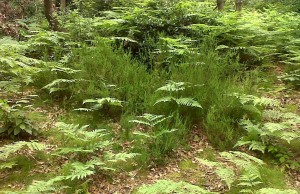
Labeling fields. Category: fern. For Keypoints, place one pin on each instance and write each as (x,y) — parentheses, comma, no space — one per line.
(81,171)
(208,163)
(100,103)
(66,70)
(90,148)
(172,86)
(274,127)
(245,163)
(103,101)
(248,181)
(285,131)
(167,186)
(253,145)
(79,140)
(150,120)
(277,191)
(10,149)
(189,102)
(254,100)
(59,84)
(76,132)
(7,165)
(234,156)
(119,157)
(49,186)
(227,175)
(292,77)
(155,136)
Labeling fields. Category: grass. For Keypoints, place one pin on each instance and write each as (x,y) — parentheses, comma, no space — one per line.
(213,54)
(273,176)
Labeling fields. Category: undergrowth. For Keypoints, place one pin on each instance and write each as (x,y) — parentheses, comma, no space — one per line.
(149,72)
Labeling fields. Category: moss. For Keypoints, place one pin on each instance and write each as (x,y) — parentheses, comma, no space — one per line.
(208,154)
(187,165)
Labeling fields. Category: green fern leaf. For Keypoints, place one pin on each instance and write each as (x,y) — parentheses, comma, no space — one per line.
(172,86)
(275,191)
(7,150)
(99,103)
(207,162)
(253,145)
(8,164)
(189,102)
(111,157)
(150,120)
(80,171)
(46,186)
(227,175)
(168,187)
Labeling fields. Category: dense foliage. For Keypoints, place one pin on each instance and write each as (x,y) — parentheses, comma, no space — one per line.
(153,73)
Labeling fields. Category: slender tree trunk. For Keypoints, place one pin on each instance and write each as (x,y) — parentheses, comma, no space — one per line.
(63,5)
(238,5)
(49,9)
(220,4)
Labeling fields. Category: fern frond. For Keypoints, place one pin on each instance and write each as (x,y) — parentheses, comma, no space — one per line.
(289,136)
(253,145)
(80,171)
(111,157)
(64,70)
(241,158)
(165,99)
(99,103)
(275,191)
(227,175)
(77,132)
(150,120)
(7,150)
(168,187)
(172,86)
(49,186)
(207,162)
(56,85)
(68,150)
(145,135)
(8,165)
(189,102)
(254,100)
(273,127)
(249,179)
(286,131)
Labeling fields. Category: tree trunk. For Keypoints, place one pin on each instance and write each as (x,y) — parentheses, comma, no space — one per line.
(238,5)
(220,4)
(48,8)
(63,5)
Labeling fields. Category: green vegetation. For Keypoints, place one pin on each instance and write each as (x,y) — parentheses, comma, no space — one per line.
(149,96)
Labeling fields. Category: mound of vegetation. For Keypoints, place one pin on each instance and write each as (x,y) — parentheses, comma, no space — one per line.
(104,96)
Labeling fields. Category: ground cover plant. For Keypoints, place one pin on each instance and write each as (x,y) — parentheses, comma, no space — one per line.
(149,96)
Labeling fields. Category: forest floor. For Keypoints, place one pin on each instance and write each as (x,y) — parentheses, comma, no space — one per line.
(182,165)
